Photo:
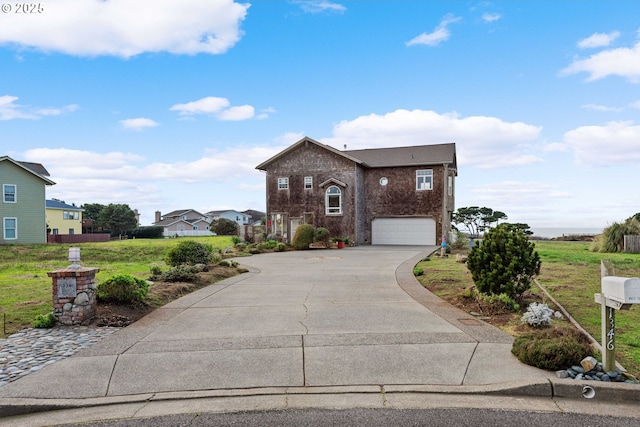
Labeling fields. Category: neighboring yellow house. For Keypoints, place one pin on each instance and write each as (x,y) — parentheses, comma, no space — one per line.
(63,218)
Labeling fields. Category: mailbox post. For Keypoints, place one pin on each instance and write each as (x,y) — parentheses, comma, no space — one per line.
(618,293)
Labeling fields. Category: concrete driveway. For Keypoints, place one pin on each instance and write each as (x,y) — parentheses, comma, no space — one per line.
(348,317)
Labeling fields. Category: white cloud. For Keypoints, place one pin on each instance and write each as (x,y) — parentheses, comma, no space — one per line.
(217,107)
(624,62)
(598,40)
(596,107)
(125,28)
(440,33)
(635,104)
(319,6)
(138,123)
(9,110)
(481,141)
(613,144)
(242,112)
(490,17)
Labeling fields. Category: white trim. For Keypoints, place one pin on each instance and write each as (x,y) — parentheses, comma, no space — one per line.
(333,210)
(424,179)
(283,183)
(4,193)
(4,228)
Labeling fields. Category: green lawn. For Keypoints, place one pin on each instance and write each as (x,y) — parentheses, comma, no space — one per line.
(571,274)
(25,288)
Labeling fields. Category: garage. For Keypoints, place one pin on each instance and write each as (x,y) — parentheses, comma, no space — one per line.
(403,231)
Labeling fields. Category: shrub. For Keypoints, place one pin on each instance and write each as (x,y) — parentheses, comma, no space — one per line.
(228,263)
(418,271)
(123,288)
(180,273)
(504,262)
(501,301)
(156,272)
(189,252)
(303,237)
(44,320)
(539,315)
(280,247)
(225,227)
(551,349)
(321,235)
(236,240)
(149,232)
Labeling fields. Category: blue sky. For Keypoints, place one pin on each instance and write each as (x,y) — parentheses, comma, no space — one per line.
(167,105)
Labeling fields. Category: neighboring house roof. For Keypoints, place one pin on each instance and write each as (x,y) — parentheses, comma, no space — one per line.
(35,168)
(306,140)
(57,204)
(255,215)
(181,212)
(170,221)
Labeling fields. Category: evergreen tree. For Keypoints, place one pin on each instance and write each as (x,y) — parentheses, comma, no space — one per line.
(503,262)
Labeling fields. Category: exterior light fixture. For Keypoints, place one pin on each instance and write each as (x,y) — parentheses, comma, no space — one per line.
(74,257)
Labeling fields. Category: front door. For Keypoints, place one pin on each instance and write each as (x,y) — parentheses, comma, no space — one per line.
(295,223)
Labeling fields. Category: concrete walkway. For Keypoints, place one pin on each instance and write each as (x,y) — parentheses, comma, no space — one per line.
(321,321)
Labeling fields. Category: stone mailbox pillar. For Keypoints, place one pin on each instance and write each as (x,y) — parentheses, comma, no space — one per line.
(74,295)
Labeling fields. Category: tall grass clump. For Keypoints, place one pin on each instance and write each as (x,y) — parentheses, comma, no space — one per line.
(189,252)
(612,238)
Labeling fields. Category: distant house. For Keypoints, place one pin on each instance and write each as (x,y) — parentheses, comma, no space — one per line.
(22,210)
(63,218)
(235,216)
(184,222)
(393,196)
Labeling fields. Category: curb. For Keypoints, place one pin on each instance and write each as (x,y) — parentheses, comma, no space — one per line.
(564,389)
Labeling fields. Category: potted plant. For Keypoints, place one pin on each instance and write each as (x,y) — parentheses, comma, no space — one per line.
(339,242)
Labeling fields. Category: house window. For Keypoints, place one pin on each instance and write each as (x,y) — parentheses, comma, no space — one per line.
(450,186)
(308,182)
(10,228)
(9,193)
(55,232)
(333,201)
(283,183)
(72,231)
(424,179)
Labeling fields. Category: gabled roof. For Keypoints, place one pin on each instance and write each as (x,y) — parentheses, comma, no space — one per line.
(435,154)
(306,140)
(34,168)
(170,221)
(220,212)
(57,204)
(180,212)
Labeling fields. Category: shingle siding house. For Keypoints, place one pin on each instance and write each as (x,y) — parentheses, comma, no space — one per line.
(399,196)
(22,208)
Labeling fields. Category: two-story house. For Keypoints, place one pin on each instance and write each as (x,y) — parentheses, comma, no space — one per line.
(22,208)
(183,222)
(394,196)
(63,218)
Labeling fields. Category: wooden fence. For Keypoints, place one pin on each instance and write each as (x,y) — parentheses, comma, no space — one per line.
(78,238)
(632,244)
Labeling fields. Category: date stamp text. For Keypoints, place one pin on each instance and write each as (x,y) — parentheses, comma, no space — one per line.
(22,8)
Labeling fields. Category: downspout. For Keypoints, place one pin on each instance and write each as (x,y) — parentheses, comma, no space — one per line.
(445,201)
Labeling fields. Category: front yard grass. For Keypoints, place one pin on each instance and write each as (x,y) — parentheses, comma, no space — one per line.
(571,274)
(25,288)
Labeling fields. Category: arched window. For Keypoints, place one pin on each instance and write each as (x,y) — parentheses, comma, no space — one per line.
(333,201)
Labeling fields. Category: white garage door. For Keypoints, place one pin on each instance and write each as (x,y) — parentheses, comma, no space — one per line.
(403,231)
